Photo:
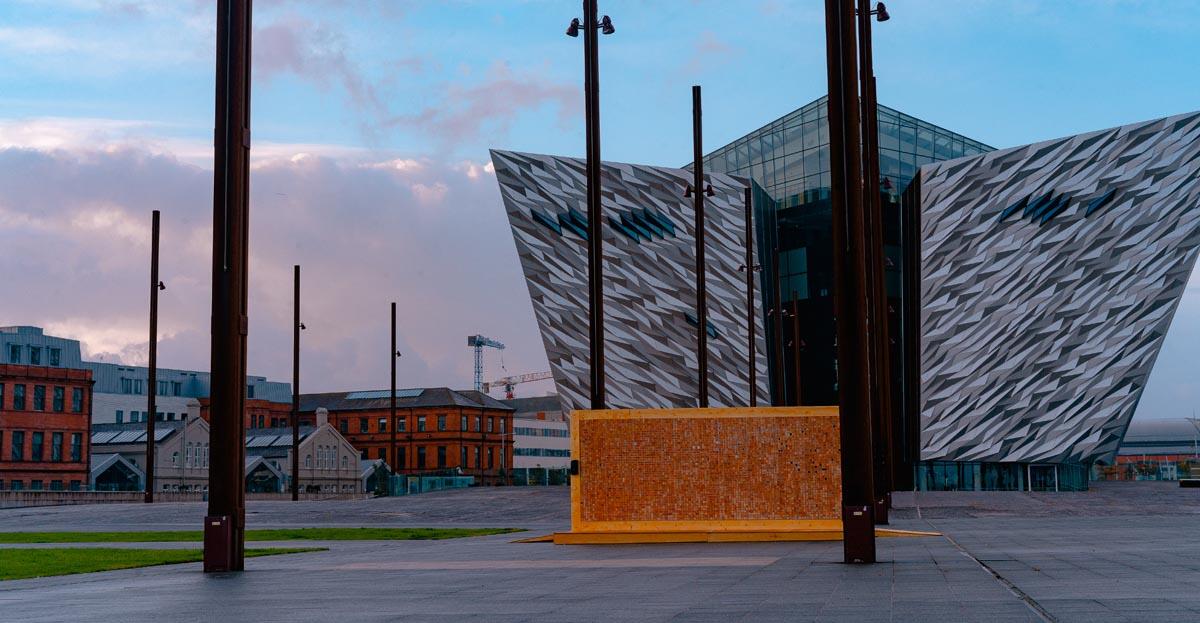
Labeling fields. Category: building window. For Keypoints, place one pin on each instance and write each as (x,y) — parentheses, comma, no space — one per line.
(75,485)
(502,426)
(420,424)
(56,442)
(76,447)
(491,426)
(477,423)
(126,386)
(35,446)
(401,461)
(18,445)
(491,458)
(14,353)
(39,397)
(1,396)
(35,359)
(249,391)
(18,485)
(477,463)
(137,386)
(162,388)
(56,359)
(76,400)
(175,458)
(344,426)
(441,422)
(345,461)
(35,485)
(120,416)
(441,456)
(383,425)
(401,423)
(176,388)
(18,397)
(420,457)
(382,453)
(462,457)
(59,399)
(362,424)
(56,485)
(133,416)
(205,455)
(462,424)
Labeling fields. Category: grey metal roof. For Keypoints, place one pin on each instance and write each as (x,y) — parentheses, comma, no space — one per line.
(535,404)
(1166,436)
(428,397)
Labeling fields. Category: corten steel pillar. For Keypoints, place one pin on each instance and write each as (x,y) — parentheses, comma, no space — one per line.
(296,383)
(798,396)
(750,269)
(224,527)
(152,380)
(699,191)
(881,368)
(395,452)
(849,267)
(781,396)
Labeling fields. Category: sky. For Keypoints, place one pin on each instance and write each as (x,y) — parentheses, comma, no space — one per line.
(372,119)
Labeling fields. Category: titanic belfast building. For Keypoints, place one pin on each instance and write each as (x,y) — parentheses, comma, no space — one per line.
(1029,288)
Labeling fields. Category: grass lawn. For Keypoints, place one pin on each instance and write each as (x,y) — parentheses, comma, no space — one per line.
(18,564)
(286,534)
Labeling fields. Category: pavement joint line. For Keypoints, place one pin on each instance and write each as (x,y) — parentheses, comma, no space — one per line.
(1030,602)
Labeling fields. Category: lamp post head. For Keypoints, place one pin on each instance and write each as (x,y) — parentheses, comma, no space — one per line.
(881,13)
(162,286)
(573,29)
(606,26)
(302,327)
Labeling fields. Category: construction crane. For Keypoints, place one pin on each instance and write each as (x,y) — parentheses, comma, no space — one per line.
(509,381)
(478,342)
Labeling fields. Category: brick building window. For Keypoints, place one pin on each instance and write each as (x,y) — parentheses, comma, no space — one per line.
(75,485)
(56,442)
(344,426)
(56,485)
(56,359)
(462,425)
(491,425)
(401,423)
(35,359)
(1,396)
(502,425)
(76,400)
(420,457)
(477,464)
(383,425)
(441,456)
(76,447)
(491,458)
(421,425)
(36,446)
(462,459)
(59,399)
(36,485)
(401,462)
(362,424)
(382,453)
(441,422)
(39,397)
(18,403)
(477,423)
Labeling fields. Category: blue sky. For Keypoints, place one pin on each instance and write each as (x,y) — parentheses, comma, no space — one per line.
(114,98)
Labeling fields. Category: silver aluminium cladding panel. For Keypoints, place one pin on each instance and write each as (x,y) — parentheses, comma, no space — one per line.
(649,279)
(1049,276)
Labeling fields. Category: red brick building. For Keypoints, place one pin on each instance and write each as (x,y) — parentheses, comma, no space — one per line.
(259,413)
(44,418)
(437,430)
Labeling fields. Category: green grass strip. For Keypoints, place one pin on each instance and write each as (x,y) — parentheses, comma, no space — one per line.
(285,534)
(19,564)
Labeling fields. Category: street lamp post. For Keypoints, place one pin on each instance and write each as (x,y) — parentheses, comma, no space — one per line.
(224,525)
(881,377)
(392,397)
(297,326)
(849,268)
(698,191)
(750,267)
(152,377)
(591,90)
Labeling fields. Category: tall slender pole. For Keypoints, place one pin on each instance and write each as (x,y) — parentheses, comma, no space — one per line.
(296,383)
(777,315)
(849,269)
(591,88)
(701,291)
(224,546)
(877,310)
(152,380)
(753,360)
(392,421)
(797,396)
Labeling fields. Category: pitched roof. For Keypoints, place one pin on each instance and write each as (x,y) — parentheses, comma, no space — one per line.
(535,404)
(405,399)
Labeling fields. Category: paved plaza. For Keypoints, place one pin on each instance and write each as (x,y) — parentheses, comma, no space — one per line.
(1120,552)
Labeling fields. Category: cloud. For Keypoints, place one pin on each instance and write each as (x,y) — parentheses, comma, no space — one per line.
(707,51)
(490,107)
(431,236)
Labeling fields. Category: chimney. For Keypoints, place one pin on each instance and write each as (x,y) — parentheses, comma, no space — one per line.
(322,416)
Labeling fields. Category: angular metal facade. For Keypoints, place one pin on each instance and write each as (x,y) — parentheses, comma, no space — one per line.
(649,281)
(1049,275)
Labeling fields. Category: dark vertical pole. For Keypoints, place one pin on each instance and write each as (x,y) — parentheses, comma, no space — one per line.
(701,291)
(152,380)
(909,435)
(750,297)
(881,373)
(777,314)
(849,266)
(296,383)
(223,548)
(591,89)
(798,395)
(395,453)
